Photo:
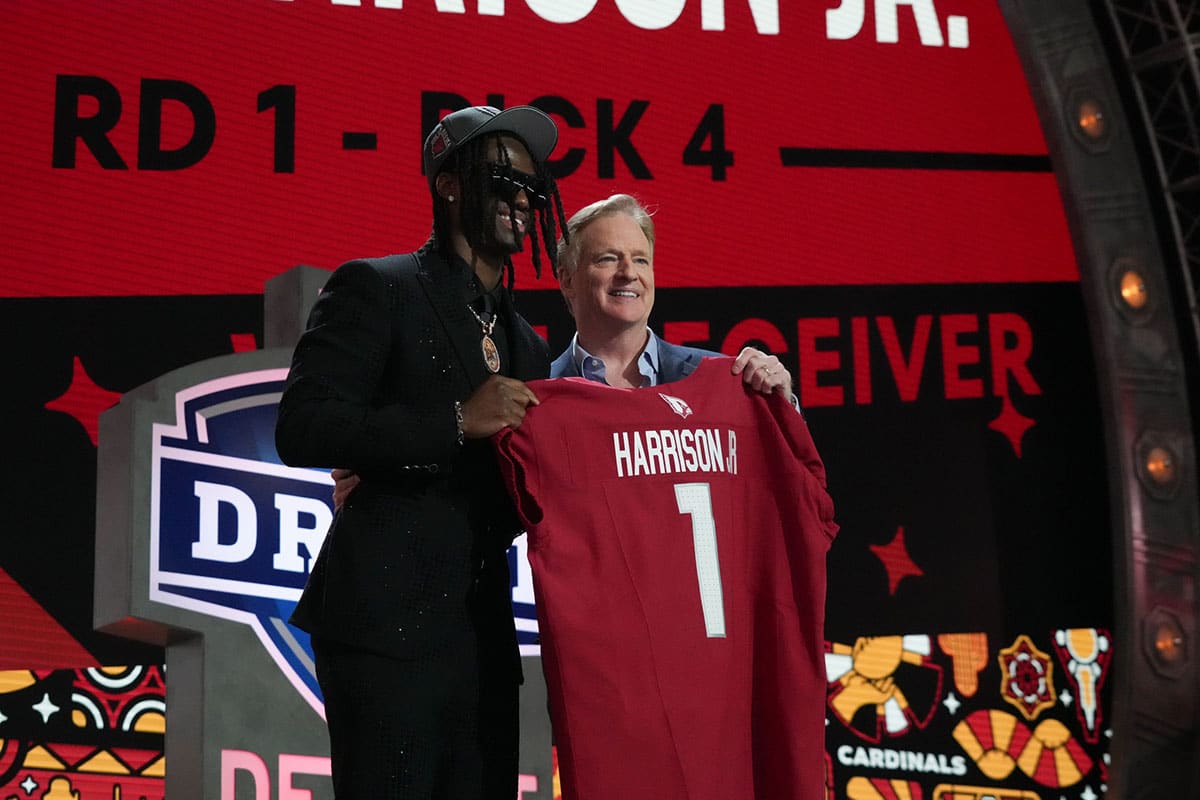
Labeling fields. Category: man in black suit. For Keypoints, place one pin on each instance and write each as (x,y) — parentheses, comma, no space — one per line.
(408,364)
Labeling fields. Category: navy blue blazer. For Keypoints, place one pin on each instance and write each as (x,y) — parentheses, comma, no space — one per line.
(675,361)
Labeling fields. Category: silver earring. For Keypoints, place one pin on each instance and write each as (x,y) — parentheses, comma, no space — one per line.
(450,198)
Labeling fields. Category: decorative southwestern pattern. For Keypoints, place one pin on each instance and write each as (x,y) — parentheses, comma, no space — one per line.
(1084,654)
(972,745)
(880,685)
(998,743)
(1026,678)
(84,734)
(859,788)
(970,654)
(955,792)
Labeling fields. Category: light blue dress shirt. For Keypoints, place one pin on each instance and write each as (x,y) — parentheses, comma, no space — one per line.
(593,368)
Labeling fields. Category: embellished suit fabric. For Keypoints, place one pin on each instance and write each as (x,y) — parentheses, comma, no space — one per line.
(411,588)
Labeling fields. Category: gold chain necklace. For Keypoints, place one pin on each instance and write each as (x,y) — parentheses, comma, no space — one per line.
(491,355)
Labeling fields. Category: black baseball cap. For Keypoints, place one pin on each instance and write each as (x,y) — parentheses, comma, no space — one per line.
(533,127)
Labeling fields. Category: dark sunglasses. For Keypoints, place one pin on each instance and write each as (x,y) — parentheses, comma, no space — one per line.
(508,182)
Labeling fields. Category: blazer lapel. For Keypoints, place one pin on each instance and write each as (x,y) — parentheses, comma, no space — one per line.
(674,363)
(527,350)
(445,286)
(688,366)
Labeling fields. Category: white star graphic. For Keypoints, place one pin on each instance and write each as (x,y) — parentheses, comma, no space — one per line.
(29,784)
(1088,794)
(951,703)
(1065,698)
(3,719)
(46,708)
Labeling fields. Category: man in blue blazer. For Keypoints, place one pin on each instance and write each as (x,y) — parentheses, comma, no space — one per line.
(606,273)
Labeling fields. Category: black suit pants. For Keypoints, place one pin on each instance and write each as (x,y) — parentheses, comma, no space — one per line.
(438,727)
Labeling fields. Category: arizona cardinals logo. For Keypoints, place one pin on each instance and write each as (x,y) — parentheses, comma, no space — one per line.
(678,406)
(440,142)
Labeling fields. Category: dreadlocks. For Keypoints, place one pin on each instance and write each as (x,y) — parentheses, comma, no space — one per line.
(473,161)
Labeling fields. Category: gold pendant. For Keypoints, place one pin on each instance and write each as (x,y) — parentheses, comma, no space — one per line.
(491,356)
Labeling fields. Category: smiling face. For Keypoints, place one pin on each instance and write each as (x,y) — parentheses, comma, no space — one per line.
(497,209)
(506,212)
(611,288)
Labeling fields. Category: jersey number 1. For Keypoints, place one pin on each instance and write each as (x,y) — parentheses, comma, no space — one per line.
(695,500)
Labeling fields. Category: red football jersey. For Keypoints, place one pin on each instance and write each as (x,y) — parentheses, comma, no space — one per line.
(677,536)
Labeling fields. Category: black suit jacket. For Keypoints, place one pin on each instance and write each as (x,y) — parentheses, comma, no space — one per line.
(414,562)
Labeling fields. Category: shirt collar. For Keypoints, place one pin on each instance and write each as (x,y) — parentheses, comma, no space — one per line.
(473,289)
(593,368)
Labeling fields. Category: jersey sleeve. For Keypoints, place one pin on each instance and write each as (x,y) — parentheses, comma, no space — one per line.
(517,459)
(811,470)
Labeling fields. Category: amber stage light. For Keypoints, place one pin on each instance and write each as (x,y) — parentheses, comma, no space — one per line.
(1090,118)
(1160,465)
(1133,290)
(1168,642)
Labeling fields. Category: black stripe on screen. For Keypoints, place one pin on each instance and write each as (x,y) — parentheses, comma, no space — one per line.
(912,159)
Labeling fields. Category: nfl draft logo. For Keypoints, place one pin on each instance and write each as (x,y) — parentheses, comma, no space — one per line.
(233,531)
